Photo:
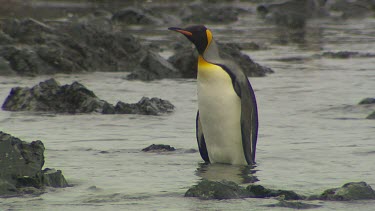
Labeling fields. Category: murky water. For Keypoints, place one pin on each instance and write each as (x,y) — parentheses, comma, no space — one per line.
(312,134)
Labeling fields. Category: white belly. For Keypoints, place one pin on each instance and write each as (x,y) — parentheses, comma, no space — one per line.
(220,112)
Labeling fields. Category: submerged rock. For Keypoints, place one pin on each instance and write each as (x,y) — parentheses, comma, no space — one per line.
(346,55)
(217,190)
(158,148)
(21,167)
(50,96)
(368,100)
(53,178)
(349,191)
(294,205)
(207,189)
(371,116)
(259,191)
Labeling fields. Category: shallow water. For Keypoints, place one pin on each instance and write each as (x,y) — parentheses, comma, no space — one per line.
(313,136)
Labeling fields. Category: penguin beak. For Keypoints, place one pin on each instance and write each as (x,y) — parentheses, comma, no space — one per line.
(182,31)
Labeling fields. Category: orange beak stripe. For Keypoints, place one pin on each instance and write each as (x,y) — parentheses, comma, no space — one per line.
(185,32)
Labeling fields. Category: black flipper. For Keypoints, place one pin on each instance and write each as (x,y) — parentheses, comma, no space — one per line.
(200,140)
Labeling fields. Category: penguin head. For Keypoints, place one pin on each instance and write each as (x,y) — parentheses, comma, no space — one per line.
(197,34)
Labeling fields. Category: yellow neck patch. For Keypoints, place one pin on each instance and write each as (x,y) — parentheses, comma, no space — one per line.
(209,71)
(203,63)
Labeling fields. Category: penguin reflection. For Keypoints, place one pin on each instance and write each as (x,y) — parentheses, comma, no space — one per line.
(219,172)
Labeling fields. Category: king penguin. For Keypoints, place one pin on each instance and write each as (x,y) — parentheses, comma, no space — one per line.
(227,117)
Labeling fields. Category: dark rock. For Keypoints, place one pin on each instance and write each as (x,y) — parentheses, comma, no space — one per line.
(145,106)
(53,178)
(371,116)
(50,96)
(5,68)
(28,31)
(153,67)
(293,13)
(209,13)
(368,100)
(21,167)
(352,9)
(259,191)
(33,47)
(294,205)
(217,190)
(5,39)
(349,191)
(185,60)
(7,187)
(158,148)
(250,68)
(346,55)
(131,15)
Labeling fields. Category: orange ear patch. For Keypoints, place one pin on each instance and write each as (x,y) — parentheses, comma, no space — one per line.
(209,36)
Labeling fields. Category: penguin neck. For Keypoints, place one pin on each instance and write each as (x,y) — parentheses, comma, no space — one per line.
(211,54)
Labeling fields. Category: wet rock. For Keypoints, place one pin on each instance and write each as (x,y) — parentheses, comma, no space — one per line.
(154,67)
(293,13)
(349,191)
(185,60)
(51,96)
(371,116)
(368,100)
(28,31)
(346,55)
(259,191)
(5,39)
(5,68)
(209,13)
(158,148)
(233,52)
(351,8)
(146,106)
(21,167)
(131,15)
(7,188)
(53,178)
(33,47)
(293,204)
(217,190)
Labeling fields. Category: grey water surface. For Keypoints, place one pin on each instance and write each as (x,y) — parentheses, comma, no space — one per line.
(313,135)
